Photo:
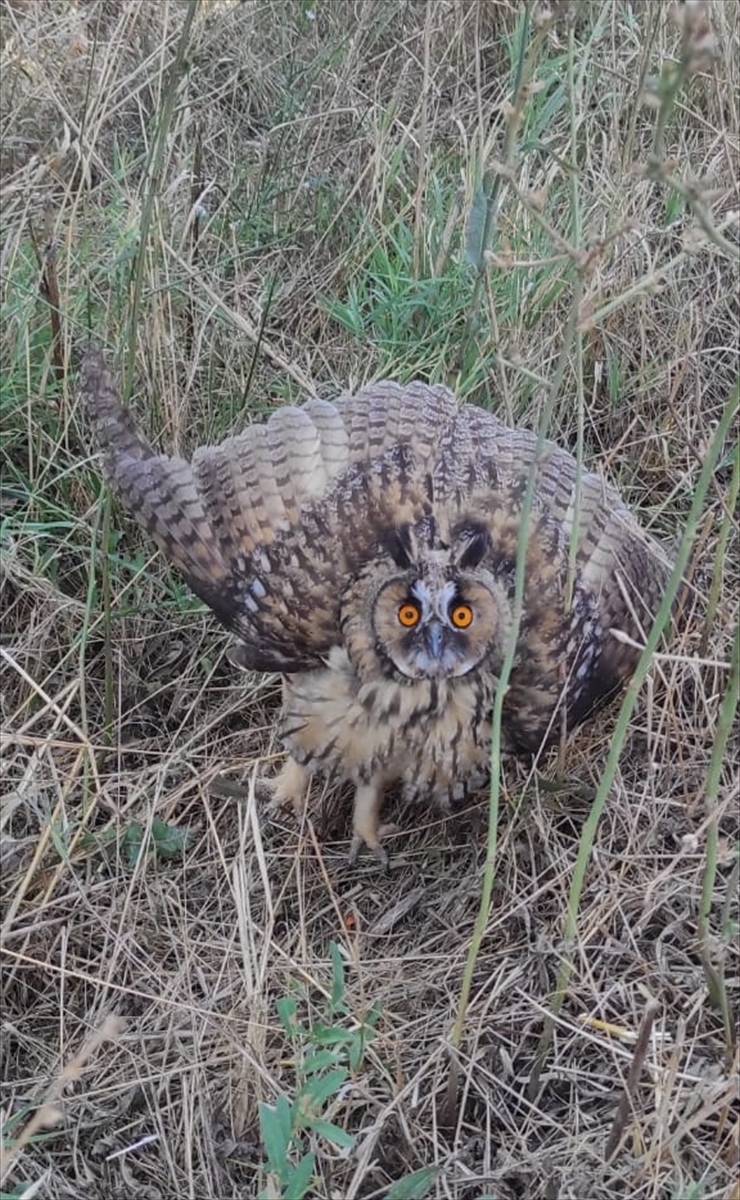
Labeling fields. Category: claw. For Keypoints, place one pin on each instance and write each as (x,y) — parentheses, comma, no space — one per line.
(367,828)
(291,787)
(381,854)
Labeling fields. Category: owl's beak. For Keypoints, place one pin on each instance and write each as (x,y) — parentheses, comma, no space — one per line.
(438,657)
(434,639)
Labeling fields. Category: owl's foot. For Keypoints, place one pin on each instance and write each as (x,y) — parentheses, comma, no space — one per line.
(380,852)
(366,824)
(289,787)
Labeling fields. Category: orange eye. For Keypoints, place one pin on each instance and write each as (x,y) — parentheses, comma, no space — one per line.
(461,616)
(409,615)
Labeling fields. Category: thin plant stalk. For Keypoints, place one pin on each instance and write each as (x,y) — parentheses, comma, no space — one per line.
(481,921)
(713,970)
(576,233)
(720,557)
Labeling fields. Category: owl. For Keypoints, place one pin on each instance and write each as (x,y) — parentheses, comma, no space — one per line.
(366,550)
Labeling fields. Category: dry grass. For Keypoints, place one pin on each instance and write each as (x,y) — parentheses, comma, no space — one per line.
(281,205)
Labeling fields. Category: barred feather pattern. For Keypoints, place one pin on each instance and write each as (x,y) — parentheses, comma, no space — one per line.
(315,535)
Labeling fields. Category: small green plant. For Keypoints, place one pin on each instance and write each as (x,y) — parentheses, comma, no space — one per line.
(415,319)
(325,1054)
(162,841)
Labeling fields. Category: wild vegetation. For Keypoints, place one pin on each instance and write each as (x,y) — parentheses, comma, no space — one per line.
(248,202)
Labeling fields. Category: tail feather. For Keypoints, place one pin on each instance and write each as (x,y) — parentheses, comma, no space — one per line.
(158,491)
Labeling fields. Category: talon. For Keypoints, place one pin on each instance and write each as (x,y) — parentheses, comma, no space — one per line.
(355,850)
(367,828)
(359,843)
(381,854)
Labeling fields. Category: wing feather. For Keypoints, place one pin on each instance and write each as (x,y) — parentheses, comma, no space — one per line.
(270,527)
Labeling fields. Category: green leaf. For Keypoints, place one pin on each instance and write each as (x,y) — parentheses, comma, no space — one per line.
(320,1089)
(414,1186)
(320,1061)
(314,1094)
(24,1191)
(372,1017)
(299,1179)
(356,1050)
(333,1133)
(275,1131)
(133,840)
(331,1035)
(287,1006)
(363,1036)
(169,840)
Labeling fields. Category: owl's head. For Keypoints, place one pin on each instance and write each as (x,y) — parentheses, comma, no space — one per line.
(433,608)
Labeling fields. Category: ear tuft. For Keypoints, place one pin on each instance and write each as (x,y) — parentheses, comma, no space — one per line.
(401,545)
(476,544)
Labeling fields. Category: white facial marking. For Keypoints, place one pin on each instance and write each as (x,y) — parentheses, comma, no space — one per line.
(433,604)
(420,592)
(444,599)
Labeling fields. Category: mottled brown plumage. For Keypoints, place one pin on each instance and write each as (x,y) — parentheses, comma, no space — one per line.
(366,550)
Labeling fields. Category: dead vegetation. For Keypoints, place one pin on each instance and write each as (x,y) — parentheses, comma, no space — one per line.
(247,202)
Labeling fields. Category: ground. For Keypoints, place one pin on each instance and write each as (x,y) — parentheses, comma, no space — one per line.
(249,202)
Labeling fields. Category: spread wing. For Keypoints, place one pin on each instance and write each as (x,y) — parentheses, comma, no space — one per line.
(270,527)
(267,526)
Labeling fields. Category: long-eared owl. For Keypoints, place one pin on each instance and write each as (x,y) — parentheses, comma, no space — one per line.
(366,550)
